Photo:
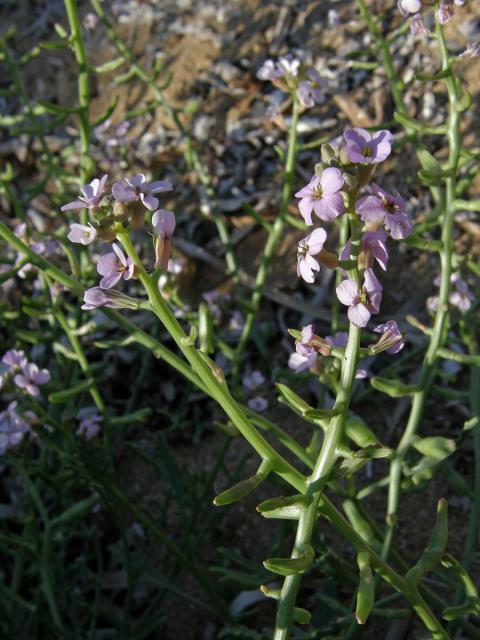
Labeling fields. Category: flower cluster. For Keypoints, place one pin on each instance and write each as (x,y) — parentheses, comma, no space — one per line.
(251,382)
(25,375)
(412,9)
(129,201)
(460,296)
(326,196)
(374,214)
(289,74)
(13,427)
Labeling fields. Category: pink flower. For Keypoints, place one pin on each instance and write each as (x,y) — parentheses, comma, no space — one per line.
(311,91)
(366,148)
(132,189)
(406,7)
(308,247)
(253,380)
(363,302)
(383,206)
(89,426)
(417,26)
(97,297)
(258,403)
(14,359)
(13,427)
(163,222)
(322,196)
(91,195)
(392,340)
(30,377)
(305,356)
(114,266)
(373,247)
(81,233)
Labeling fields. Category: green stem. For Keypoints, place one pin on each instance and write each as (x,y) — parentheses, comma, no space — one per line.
(328,453)
(83,93)
(211,378)
(273,239)
(439,331)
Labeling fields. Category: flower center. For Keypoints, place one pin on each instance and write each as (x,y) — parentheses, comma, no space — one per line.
(317,193)
(367,152)
(363,297)
(302,250)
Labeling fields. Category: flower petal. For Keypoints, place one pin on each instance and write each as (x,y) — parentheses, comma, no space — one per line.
(123,192)
(347,291)
(107,282)
(305,207)
(332,180)
(149,201)
(359,315)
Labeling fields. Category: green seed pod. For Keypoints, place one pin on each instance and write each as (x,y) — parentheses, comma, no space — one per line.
(293,400)
(291,566)
(366,589)
(435,549)
(238,491)
(302,616)
(435,447)
(393,388)
(360,433)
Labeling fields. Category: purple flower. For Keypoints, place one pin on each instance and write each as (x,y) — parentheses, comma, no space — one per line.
(30,377)
(322,196)
(288,65)
(417,26)
(257,404)
(13,428)
(445,11)
(374,208)
(373,247)
(363,302)
(14,359)
(253,380)
(82,233)
(308,247)
(460,295)
(163,222)
(91,195)
(89,426)
(391,341)
(97,297)
(269,71)
(340,339)
(365,148)
(406,7)
(311,91)
(132,189)
(113,266)
(383,206)
(305,356)
(472,50)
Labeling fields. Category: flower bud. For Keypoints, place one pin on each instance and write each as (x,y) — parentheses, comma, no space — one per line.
(107,234)
(120,211)
(319,169)
(97,297)
(329,154)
